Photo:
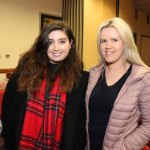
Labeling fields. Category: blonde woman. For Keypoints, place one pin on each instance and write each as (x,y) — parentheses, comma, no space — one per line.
(118,93)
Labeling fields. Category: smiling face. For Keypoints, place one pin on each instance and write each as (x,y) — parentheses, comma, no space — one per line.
(59,46)
(111,45)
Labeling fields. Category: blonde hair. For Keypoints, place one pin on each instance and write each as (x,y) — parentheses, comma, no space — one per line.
(131,53)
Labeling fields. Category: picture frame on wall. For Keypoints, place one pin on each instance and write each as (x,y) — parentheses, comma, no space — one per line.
(45,19)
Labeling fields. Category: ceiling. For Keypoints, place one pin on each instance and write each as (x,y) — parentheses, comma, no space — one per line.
(142,5)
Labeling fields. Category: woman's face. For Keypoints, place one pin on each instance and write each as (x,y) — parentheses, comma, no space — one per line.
(59,46)
(111,45)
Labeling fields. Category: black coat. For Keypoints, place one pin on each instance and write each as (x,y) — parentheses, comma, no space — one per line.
(13,112)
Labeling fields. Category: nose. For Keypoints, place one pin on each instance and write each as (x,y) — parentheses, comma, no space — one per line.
(108,44)
(56,46)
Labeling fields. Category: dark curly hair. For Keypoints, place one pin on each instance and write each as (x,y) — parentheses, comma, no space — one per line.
(33,64)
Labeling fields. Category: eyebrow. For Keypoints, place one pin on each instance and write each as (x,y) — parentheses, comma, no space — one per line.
(115,37)
(110,38)
(59,39)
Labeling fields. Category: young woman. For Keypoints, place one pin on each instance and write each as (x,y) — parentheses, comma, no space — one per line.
(118,93)
(43,105)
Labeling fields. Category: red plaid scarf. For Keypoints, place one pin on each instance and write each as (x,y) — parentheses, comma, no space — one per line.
(43,122)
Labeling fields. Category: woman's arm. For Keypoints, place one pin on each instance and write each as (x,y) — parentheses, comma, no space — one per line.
(141,135)
(8,99)
(82,114)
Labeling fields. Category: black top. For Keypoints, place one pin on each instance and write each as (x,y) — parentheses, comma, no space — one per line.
(52,67)
(100,105)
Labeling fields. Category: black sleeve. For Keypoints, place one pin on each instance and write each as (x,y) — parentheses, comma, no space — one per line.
(74,129)
(82,113)
(8,99)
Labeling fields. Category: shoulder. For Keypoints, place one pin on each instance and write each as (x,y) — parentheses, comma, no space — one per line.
(140,71)
(14,77)
(84,77)
(95,71)
(84,73)
(142,74)
(12,82)
(146,78)
(96,68)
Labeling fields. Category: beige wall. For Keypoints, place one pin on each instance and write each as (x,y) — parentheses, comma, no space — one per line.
(20,25)
(93,13)
(109,9)
(96,11)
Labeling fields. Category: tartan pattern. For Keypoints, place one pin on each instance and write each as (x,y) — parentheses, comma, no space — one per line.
(43,122)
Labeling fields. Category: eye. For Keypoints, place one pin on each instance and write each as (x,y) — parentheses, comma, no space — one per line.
(50,42)
(114,40)
(102,41)
(62,41)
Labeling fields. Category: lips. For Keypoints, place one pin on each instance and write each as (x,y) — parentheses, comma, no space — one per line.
(57,54)
(109,52)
